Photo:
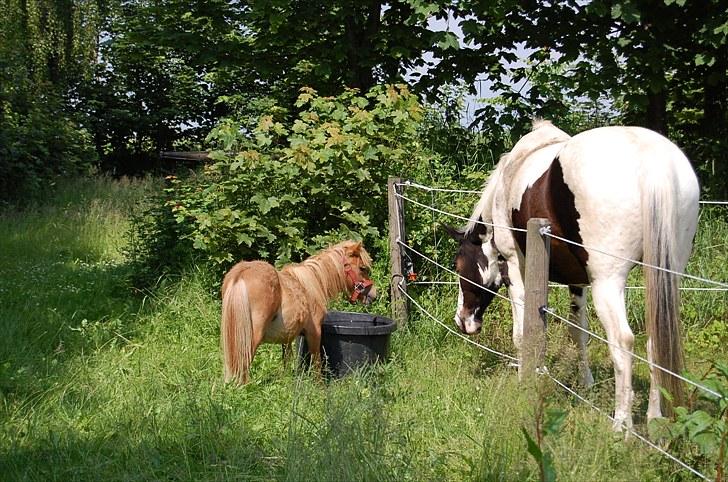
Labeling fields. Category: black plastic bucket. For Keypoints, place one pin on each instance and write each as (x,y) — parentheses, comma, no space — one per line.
(349,341)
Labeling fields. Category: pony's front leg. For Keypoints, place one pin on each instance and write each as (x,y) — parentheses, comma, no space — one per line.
(286,354)
(312,333)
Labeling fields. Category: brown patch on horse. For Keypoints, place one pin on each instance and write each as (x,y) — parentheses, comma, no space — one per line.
(549,197)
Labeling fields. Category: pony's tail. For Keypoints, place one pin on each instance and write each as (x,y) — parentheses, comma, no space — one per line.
(236,332)
(662,298)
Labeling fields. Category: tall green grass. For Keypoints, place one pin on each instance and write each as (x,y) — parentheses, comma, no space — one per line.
(101,382)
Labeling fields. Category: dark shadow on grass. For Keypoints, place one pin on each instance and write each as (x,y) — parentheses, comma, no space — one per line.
(188,456)
(54,312)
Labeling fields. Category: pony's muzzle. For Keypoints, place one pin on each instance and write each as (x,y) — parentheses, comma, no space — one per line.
(364,291)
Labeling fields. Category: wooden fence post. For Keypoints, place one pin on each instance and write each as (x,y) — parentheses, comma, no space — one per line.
(538,249)
(396,233)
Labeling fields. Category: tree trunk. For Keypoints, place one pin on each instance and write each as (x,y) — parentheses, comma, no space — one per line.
(361,27)
(714,125)
(715,102)
(657,111)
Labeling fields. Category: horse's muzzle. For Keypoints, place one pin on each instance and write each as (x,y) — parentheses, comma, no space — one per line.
(470,325)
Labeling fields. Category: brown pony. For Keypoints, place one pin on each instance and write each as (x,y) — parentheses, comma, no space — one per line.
(262,305)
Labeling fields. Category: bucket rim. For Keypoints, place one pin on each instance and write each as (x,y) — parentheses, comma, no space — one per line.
(351,323)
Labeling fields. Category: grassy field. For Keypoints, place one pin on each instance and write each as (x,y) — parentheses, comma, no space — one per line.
(99,381)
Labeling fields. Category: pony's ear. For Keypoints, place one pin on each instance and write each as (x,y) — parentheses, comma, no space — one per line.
(454,233)
(355,249)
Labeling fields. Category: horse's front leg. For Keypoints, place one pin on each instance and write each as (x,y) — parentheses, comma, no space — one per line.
(517,294)
(580,336)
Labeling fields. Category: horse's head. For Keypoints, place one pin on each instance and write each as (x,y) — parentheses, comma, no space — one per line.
(481,273)
(357,266)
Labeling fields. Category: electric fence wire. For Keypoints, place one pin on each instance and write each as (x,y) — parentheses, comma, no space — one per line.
(448,328)
(569,322)
(646,265)
(516,361)
(413,184)
(632,432)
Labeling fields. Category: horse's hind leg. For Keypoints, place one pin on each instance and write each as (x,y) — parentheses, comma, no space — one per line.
(609,303)
(580,337)
(287,350)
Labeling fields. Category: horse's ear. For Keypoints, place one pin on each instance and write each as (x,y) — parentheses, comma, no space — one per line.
(454,233)
(482,232)
(355,249)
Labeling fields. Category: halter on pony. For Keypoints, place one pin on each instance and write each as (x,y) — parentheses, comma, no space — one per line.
(361,285)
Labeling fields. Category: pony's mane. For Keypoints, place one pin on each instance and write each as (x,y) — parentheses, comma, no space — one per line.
(543,134)
(323,274)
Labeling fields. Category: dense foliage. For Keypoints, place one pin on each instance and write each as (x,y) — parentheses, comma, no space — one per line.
(46,53)
(133,78)
(292,184)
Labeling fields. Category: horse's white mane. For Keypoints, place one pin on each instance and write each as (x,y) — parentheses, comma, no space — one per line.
(543,134)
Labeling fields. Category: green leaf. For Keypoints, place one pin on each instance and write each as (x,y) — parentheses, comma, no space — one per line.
(265,203)
(708,442)
(449,41)
(200,243)
(699,421)
(243,238)
(554,420)
(626,11)
(533,447)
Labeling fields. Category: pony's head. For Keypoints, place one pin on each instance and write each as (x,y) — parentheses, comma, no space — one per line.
(481,273)
(357,267)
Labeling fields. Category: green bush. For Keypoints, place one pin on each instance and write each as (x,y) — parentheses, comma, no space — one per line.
(289,186)
(36,147)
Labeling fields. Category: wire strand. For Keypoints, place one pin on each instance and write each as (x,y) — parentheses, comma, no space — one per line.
(633,432)
(440,211)
(632,354)
(677,273)
(519,303)
(460,335)
(435,189)
(409,183)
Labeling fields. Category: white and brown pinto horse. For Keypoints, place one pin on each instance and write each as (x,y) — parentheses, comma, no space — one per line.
(626,191)
(262,305)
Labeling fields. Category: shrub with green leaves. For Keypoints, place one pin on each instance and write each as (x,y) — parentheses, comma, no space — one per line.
(700,430)
(291,185)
